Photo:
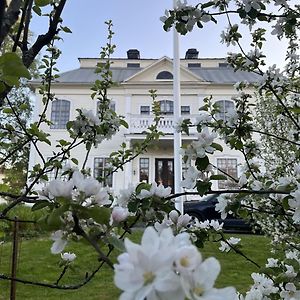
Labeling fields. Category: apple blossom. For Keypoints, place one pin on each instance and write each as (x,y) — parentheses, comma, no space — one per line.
(119,214)
(67,256)
(59,241)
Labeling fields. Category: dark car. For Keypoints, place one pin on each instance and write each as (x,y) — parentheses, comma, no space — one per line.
(204,209)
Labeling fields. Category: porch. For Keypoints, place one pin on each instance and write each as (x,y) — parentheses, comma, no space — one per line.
(139,123)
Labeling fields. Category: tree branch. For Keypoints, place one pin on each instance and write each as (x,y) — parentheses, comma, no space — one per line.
(10,18)
(44,39)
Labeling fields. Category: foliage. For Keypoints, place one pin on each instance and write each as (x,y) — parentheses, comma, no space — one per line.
(28,229)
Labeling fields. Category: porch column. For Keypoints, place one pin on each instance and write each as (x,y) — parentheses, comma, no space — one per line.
(128,170)
(128,110)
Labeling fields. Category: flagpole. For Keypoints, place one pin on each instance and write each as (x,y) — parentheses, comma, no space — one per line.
(177,113)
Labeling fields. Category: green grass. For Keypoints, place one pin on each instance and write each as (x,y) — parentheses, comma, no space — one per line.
(37,263)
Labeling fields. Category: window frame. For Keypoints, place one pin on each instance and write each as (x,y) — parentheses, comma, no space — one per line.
(165,103)
(225,184)
(146,111)
(57,112)
(146,169)
(187,112)
(107,179)
(223,109)
(164,75)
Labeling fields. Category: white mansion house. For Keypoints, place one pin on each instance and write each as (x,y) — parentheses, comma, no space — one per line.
(200,77)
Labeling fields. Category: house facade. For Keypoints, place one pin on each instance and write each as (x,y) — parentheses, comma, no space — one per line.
(200,77)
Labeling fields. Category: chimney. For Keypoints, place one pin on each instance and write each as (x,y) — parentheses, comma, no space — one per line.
(191,54)
(133,54)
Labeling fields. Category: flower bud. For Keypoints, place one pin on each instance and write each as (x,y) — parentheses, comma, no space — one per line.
(119,214)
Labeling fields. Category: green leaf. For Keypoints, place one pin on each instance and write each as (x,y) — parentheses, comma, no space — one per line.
(7,110)
(243,213)
(203,187)
(24,106)
(54,220)
(66,29)
(217,146)
(100,214)
(124,123)
(12,66)
(117,243)
(74,160)
(207,4)
(296,110)
(202,163)
(285,203)
(142,186)
(40,204)
(37,10)
(218,177)
(42,2)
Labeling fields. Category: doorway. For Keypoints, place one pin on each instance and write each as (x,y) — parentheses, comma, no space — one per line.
(164,172)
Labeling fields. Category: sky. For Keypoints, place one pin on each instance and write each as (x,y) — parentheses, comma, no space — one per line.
(136,26)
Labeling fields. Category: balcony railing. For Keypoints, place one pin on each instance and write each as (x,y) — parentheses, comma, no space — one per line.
(140,123)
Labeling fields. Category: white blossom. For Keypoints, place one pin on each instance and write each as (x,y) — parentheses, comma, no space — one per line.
(225,246)
(190,178)
(221,206)
(295,204)
(88,185)
(60,188)
(67,256)
(290,292)
(119,214)
(59,241)
(155,190)
(272,263)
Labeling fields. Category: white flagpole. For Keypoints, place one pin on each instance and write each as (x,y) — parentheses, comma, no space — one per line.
(177,113)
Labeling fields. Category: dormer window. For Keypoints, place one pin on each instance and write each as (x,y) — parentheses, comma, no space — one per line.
(165,75)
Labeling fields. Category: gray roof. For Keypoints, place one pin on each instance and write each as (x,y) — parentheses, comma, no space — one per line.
(224,75)
(215,75)
(88,75)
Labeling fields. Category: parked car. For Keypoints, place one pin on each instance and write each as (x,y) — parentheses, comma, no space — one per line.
(204,209)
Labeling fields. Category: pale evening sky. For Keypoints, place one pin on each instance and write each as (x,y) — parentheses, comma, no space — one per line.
(136,25)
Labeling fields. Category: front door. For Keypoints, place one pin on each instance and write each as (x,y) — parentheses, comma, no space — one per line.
(164,172)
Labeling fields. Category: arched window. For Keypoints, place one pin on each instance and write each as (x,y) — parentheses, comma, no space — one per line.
(60,114)
(166,107)
(224,107)
(164,75)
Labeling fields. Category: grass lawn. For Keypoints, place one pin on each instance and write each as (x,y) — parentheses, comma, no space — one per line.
(37,263)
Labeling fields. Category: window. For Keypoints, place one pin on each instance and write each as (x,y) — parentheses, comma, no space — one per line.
(185,110)
(194,65)
(133,65)
(224,107)
(100,173)
(144,169)
(164,75)
(229,166)
(60,114)
(166,107)
(145,110)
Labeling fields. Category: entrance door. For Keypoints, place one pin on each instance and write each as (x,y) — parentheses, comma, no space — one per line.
(164,172)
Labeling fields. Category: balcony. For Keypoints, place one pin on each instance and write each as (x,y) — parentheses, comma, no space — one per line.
(140,123)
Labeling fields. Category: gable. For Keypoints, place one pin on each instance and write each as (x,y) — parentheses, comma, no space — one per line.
(163,68)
